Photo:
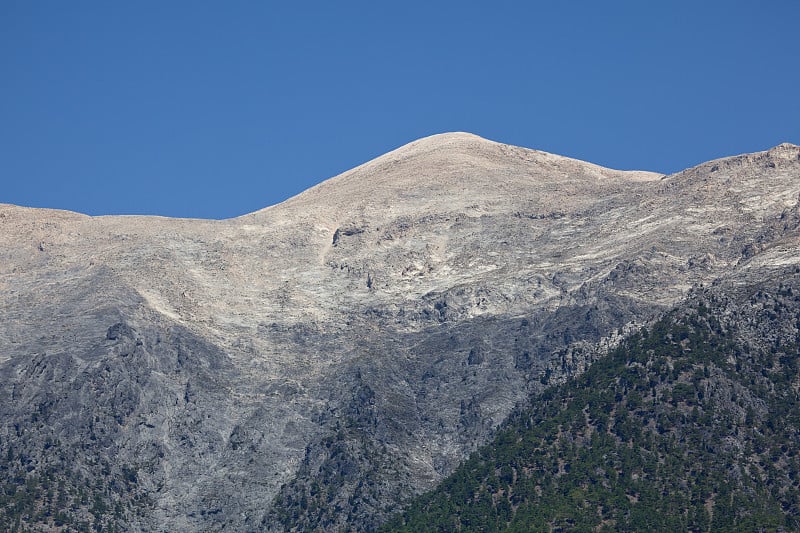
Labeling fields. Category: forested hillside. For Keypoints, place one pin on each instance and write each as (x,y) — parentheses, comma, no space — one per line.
(690,425)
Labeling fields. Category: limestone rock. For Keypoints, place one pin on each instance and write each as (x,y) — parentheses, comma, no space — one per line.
(318,362)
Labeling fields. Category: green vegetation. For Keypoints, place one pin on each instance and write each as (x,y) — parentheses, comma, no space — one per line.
(691,425)
(351,464)
(49,495)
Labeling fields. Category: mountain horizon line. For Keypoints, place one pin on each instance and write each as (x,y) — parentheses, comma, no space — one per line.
(438,142)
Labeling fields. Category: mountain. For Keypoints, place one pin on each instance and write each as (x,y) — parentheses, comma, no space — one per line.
(319,363)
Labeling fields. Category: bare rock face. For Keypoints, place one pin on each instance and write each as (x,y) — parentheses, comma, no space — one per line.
(317,363)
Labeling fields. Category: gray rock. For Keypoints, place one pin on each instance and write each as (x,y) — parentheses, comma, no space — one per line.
(319,362)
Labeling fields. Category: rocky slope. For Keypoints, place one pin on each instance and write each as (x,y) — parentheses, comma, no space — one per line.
(689,425)
(319,362)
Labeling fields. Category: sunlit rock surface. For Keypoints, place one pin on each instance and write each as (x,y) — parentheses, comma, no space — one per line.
(318,362)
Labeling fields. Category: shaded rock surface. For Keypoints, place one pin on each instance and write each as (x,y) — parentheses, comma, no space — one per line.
(319,362)
(690,424)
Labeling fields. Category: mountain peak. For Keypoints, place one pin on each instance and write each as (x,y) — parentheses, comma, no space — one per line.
(455,141)
(786,146)
(785,151)
(452,136)
(442,171)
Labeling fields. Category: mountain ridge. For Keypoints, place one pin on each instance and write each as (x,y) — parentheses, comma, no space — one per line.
(439,141)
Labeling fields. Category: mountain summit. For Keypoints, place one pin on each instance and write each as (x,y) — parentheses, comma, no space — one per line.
(318,363)
(449,167)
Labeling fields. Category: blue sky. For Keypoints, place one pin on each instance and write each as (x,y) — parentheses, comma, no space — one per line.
(216,109)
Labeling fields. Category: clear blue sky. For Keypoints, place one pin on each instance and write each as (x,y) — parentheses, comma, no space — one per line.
(216,109)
